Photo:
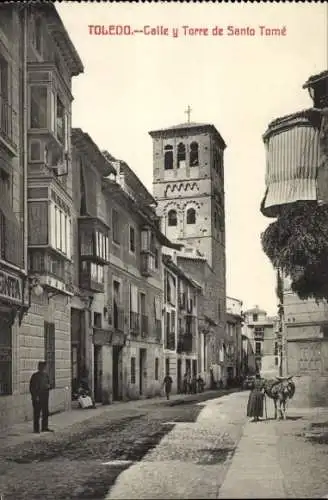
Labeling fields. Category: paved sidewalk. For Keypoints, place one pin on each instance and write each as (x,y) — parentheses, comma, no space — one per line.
(255,471)
(64,422)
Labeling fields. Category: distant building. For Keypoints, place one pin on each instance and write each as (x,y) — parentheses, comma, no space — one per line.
(261,331)
(183,348)
(233,344)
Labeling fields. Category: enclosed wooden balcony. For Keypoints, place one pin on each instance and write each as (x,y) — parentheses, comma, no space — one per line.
(92,277)
(93,240)
(148,252)
(54,272)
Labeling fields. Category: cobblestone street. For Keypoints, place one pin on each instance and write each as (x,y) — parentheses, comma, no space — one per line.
(180,449)
(69,464)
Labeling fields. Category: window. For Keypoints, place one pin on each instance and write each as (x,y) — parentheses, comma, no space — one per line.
(5,180)
(4,79)
(132,240)
(156,368)
(255,317)
(37,33)
(172,321)
(217,160)
(60,121)
(97,320)
(102,250)
(156,258)
(5,116)
(115,226)
(172,218)
(6,20)
(5,357)
(276,361)
(60,232)
(38,106)
(133,370)
(191,216)
(168,157)
(97,273)
(50,352)
(181,155)
(258,348)
(193,155)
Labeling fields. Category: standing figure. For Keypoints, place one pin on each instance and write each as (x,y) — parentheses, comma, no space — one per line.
(39,389)
(167,385)
(255,400)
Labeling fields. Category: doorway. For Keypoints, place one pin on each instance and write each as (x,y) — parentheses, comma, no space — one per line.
(78,361)
(117,371)
(142,370)
(194,367)
(179,380)
(167,366)
(98,373)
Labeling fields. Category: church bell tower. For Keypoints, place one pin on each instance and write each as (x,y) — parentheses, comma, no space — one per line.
(188,184)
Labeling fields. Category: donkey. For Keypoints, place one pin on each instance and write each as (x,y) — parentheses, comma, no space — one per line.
(280,390)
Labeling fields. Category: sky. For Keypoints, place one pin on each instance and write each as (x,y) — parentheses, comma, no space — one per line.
(134,84)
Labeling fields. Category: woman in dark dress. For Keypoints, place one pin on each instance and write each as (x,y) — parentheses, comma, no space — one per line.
(255,400)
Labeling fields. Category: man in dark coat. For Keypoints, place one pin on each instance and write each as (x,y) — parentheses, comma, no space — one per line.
(39,389)
(167,385)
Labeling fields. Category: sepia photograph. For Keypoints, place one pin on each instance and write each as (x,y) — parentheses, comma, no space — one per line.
(163,250)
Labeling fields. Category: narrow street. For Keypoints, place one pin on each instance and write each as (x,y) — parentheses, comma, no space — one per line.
(179,449)
(64,466)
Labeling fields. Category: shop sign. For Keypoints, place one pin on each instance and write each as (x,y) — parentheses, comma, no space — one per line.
(10,287)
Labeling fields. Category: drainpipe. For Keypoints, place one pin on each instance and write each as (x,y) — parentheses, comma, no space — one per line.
(25,146)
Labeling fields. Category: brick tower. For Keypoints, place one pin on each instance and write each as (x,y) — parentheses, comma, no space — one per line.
(188,184)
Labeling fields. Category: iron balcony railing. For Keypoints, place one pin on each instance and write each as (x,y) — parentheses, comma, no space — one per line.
(6,119)
(170,341)
(134,323)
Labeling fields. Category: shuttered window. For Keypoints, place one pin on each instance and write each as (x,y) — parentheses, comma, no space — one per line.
(133,370)
(156,368)
(5,357)
(50,352)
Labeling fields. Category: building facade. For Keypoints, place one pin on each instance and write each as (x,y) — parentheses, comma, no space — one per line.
(182,344)
(91,250)
(135,285)
(262,332)
(233,347)
(305,336)
(37,64)
(188,184)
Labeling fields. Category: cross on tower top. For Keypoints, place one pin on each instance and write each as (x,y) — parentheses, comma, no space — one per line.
(188,112)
